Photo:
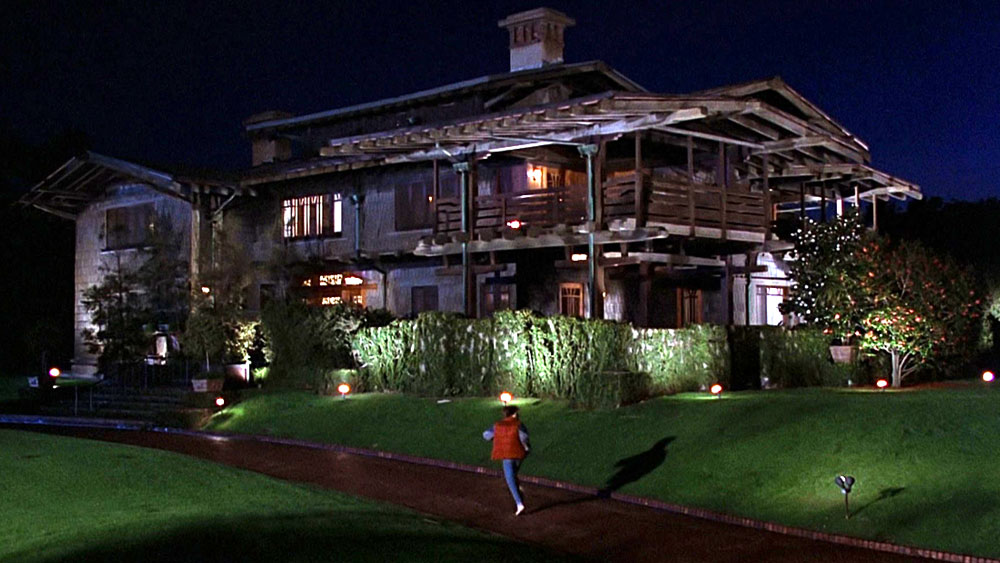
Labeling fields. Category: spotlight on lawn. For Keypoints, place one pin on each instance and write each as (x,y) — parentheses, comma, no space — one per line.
(505,398)
(54,372)
(343,389)
(988,376)
(845,482)
(881,384)
(716,390)
(220,402)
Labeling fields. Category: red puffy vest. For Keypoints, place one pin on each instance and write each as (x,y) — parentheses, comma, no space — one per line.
(506,443)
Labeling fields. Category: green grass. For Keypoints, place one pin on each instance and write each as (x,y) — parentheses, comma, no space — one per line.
(66,499)
(926,461)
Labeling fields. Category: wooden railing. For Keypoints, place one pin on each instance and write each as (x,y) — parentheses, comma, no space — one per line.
(660,200)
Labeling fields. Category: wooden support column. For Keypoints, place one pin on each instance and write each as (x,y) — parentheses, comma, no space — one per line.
(822,199)
(640,184)
(595,307)
(723,172)
(729,289)
(874,213)
(600,166)
(751,261)
(436,192)
(768,216)
(802,204)
(690,191)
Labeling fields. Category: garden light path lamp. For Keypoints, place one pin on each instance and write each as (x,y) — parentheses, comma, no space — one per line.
(54,372)
(343,389)
(220,402)
(845,482)
(988,376)
(506,397)
(716,390)
(881,384)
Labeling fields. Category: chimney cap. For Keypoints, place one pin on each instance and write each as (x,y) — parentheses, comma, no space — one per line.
(547,14)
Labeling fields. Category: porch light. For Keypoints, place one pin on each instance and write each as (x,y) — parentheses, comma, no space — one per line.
(578,257)
(220,402)
(716,390)
(988,376)
(353,280)
(881,384)
(514,224)
(343,389)
(506,397)
(54,372)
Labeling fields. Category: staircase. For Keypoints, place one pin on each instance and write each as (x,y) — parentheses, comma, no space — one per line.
(173,406)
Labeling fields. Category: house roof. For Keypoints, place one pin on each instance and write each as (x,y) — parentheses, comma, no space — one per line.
(493,81)
(84,178)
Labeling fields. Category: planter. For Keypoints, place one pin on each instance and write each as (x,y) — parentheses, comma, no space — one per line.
(206,385)
(843,354)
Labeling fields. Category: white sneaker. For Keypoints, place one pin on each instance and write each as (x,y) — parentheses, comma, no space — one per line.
(520,509)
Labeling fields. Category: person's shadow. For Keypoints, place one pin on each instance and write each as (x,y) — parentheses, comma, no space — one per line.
(631,469)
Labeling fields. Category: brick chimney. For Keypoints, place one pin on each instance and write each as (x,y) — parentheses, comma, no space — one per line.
(536,37)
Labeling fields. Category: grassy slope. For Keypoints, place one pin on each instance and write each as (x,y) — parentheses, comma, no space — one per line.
(926,461)
(76,500)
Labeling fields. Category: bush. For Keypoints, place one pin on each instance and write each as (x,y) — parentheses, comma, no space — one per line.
(685,359)
(610,389)
(799,358)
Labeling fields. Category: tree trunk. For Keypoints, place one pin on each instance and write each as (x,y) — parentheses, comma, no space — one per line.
(897,369)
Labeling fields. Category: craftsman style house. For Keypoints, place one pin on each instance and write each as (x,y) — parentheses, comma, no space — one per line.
(562,188)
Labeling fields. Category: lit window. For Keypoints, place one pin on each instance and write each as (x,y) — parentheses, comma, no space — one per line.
(332,300)
(331,279)
(314,215)
(571,299)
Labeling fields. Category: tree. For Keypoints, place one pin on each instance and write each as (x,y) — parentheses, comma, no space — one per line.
(902,299)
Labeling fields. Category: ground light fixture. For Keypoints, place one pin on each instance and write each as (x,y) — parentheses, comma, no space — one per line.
(220,402)
(988,376)
(716,390)
(845,482)
(343,389)
(54,372)
(514,224)
(881,384)
(506,397)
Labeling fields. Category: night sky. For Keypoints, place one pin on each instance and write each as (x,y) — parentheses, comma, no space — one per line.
(170,82)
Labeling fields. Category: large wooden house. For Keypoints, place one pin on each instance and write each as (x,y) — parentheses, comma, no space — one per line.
(562,188)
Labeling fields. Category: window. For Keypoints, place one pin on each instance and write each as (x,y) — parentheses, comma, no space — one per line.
(571,299)
(495,297)
(769,297)
(312,216)
(688,307)
(423,298)
(334,289)
(414,206)
(128,227)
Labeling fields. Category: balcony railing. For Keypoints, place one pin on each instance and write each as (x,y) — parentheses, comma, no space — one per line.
(661,200)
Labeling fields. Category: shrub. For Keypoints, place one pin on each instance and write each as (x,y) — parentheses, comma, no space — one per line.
(680,359)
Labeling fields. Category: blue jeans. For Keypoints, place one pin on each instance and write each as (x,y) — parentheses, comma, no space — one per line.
(510,467)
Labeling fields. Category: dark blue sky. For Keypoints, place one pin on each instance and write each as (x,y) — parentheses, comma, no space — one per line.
(170,82)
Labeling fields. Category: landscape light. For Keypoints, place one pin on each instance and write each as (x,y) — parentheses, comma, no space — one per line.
(220,402)
(881,384)
(54,372)
(506,397)
(343,389)
(514,224)
(845,482)
(988,376)
(716,390)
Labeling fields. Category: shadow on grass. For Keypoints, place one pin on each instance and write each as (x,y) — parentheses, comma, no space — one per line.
(322,536)
(884,494)
(630,470)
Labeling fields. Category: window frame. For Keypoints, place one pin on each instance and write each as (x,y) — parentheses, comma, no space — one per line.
(565,290)
(130,219)
(325,222)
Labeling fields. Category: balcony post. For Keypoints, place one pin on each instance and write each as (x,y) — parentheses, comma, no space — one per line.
(588,152)
(463,172)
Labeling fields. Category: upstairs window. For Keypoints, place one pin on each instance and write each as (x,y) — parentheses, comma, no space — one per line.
(129,227)
(312,216)
(414,207)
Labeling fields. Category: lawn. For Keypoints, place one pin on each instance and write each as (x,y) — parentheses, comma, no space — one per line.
(67,499)
(925,461)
